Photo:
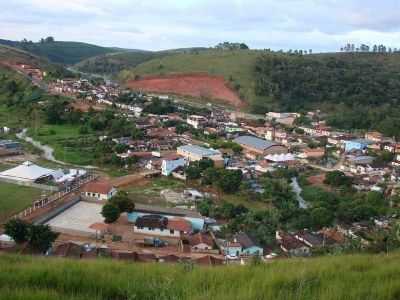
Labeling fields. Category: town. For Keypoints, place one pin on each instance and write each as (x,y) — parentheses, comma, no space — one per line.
(201,184)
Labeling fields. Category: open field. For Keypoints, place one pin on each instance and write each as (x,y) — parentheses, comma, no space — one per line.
(364,277)
(198,85)
(14,198)
(59,137)
(148,191)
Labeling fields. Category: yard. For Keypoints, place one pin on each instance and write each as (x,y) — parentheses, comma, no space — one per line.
(14,198)
(148,191)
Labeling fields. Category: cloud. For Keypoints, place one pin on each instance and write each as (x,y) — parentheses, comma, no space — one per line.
(322,25)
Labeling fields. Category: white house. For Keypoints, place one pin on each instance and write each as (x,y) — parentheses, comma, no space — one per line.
(157,225)
(99,190)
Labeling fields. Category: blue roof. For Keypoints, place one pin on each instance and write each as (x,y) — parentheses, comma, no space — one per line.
(254,142)
(201,151)
(361,141)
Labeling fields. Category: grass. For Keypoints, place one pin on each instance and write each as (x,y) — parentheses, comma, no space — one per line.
(364,277)
(244,200)
(150,192)
(56,136)
(14,198)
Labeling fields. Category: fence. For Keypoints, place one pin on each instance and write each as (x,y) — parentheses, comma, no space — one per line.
(54,197)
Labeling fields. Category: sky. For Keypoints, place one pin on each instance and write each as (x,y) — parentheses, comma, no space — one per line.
(321,25)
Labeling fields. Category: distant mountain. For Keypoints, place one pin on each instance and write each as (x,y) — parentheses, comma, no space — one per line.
(113,63)
(61,52)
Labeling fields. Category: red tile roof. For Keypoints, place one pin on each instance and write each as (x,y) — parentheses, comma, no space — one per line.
(179,224)
(201,238)
(101,187)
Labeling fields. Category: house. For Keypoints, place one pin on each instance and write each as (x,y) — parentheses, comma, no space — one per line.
(196,121)
(10,145)
(357,144)
(201,242)
(248,244)
(374,136)
(282,118)
(196,153)
(98,190)
(195,219)
(313,153)
(171,163)
(231,248)
(313,240)
(291,245)
(259,147)
(162,226)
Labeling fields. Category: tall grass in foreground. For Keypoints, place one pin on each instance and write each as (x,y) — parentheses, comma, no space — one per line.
(342,277)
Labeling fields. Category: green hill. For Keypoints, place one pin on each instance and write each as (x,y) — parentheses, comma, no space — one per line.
(363,277)
(113,63)
(236,66)
(61,52)
(355,90)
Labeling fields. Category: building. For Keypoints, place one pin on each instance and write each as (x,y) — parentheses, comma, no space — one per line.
(249,245)
(162,226)
(10,145)
(201,242)
(98,190)
(31,173)
(259,147)
(282,118)
(196,220)
(313,153)
(196,121)
(196,153)
(171,163)
(357,144)
(374,136)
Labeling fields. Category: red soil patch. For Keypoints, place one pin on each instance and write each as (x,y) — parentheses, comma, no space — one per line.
(199,85)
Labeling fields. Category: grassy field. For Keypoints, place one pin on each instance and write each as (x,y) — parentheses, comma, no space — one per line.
(14,198)
(236,65)
(363,277)
(149,193)
(58,137)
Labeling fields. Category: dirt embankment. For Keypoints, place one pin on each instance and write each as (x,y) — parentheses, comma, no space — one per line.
(198,85)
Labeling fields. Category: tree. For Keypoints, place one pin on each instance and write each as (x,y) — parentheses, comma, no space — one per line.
(41,237)
(18,230)
(49,39)
(229,180)
(110,212)
(123,202)
(321,217)
(193,172)
(337,179)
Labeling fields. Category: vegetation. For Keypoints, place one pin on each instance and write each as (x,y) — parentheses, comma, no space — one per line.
(358,91)
(113,63)
(236,66)
(15,198)
(39,237)
(120,203)
(370,277)
(58,51)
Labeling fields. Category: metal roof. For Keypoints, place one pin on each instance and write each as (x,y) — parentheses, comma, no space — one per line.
(254,142)
(201,151)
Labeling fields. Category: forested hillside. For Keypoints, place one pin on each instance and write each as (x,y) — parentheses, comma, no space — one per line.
(358,90)
(60,52)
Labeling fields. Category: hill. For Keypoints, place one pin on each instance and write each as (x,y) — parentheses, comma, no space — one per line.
(113,63)
(237,67)
(355,90)
(364,277)
(59,51)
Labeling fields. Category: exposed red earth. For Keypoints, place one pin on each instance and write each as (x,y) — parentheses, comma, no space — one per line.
(198,85)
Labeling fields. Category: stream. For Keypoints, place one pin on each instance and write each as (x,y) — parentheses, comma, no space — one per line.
(297,189)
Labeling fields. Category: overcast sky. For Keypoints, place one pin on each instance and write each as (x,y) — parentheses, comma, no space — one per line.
(322,25)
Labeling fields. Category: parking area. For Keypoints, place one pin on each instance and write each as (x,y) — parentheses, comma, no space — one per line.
(78,219)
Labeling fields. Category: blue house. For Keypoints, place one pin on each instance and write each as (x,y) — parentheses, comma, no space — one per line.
(249,245)
(196,220)
(358,144)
